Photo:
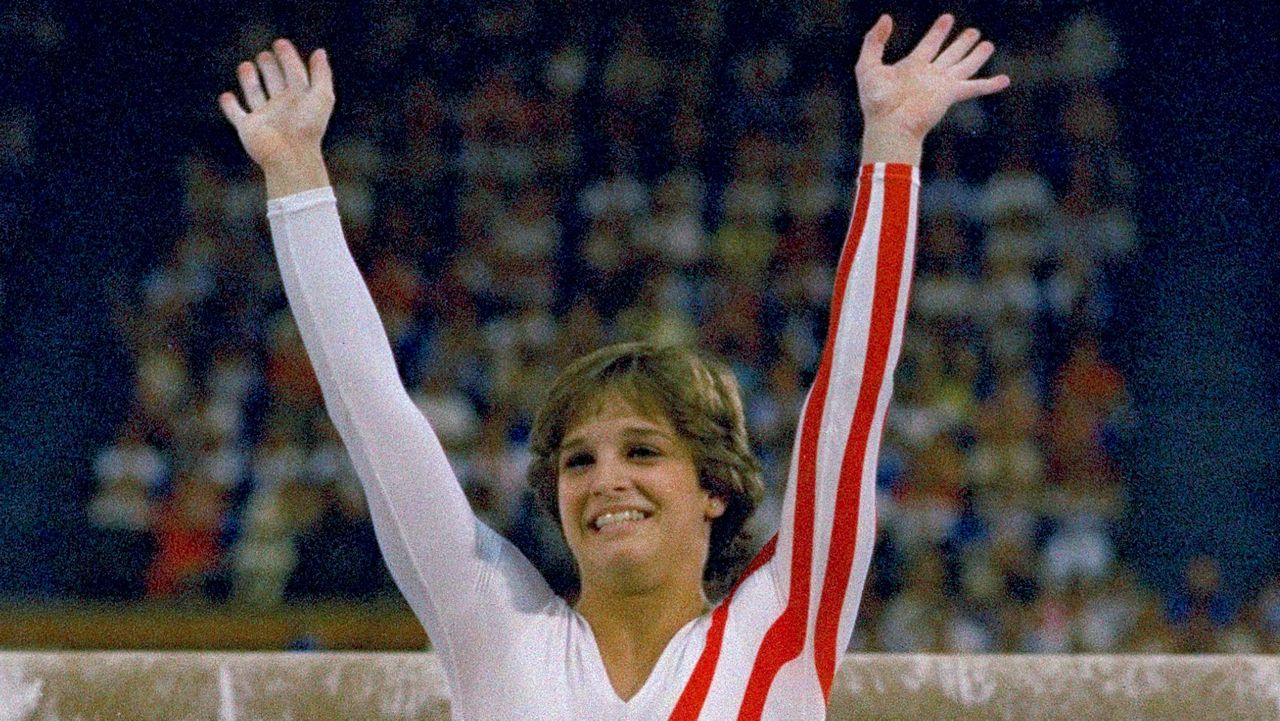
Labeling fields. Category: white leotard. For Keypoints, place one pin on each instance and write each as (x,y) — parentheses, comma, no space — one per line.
(510,647)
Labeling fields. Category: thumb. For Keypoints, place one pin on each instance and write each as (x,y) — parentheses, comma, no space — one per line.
(321,73)
(231,108)
(873,42)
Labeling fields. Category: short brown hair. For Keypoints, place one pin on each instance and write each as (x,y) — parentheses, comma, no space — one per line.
(699,396)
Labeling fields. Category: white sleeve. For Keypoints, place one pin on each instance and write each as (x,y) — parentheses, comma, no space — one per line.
(466,584)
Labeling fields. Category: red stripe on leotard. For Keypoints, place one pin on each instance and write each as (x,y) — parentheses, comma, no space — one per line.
(844,532)
(695,692)
(784,640)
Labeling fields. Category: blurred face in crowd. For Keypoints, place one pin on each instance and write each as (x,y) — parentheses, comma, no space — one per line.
(632,509)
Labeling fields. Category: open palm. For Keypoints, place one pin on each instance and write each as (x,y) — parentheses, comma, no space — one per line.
(289,104)
(914,93)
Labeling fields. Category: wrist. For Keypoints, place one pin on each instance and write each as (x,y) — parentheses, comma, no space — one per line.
(881,144)
(295,173)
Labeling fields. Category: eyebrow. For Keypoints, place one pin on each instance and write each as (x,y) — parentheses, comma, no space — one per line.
(629,431)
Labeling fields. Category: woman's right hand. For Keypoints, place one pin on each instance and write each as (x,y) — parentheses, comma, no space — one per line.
(289,108)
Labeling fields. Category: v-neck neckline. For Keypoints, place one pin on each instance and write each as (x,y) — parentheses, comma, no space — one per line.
(601,673)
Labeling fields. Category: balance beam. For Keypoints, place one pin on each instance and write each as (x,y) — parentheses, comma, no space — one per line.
(109,686)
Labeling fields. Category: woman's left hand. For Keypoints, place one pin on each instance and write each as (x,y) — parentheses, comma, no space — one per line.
(912,95)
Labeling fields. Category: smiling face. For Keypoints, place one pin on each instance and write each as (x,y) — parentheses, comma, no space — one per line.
(631,506)
(664,387)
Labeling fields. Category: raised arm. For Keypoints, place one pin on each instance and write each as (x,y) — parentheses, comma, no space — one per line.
(827,530)
(452,570)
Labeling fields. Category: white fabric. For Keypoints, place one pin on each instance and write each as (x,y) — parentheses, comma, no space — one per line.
(510,647)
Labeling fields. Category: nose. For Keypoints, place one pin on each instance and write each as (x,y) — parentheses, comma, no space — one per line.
(610,474)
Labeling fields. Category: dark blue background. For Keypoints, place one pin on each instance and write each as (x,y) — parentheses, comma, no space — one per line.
(131,90)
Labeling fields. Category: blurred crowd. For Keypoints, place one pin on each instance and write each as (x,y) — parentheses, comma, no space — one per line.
(523,185)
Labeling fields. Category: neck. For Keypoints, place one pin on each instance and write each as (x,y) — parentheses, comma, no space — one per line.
(639,623)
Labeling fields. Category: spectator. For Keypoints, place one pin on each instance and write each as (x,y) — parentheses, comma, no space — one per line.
(129,473)
(187,527)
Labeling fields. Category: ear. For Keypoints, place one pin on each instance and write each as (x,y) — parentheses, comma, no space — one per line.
(715,508)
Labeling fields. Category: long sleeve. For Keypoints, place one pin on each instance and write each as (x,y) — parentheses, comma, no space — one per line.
(827,529)
(465,583)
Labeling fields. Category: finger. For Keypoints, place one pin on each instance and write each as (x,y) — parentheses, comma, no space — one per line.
(974,60)
(982,86)
(927,49)
(873,42)
(295,72)
(231,108)
(958,48)
(321,73)
(247,74)
(271,75)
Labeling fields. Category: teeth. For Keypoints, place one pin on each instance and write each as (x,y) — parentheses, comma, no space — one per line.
(618,517)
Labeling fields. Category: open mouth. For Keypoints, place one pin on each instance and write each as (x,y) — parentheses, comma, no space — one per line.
(618,519)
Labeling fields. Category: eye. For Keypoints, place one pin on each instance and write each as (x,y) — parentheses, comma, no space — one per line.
(577,459)
(644,452)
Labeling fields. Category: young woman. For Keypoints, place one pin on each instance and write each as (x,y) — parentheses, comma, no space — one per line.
(640,451)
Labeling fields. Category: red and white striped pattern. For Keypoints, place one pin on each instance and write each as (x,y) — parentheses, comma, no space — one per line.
(829,517)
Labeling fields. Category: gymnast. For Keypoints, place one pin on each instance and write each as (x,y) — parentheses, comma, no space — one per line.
(640,451)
